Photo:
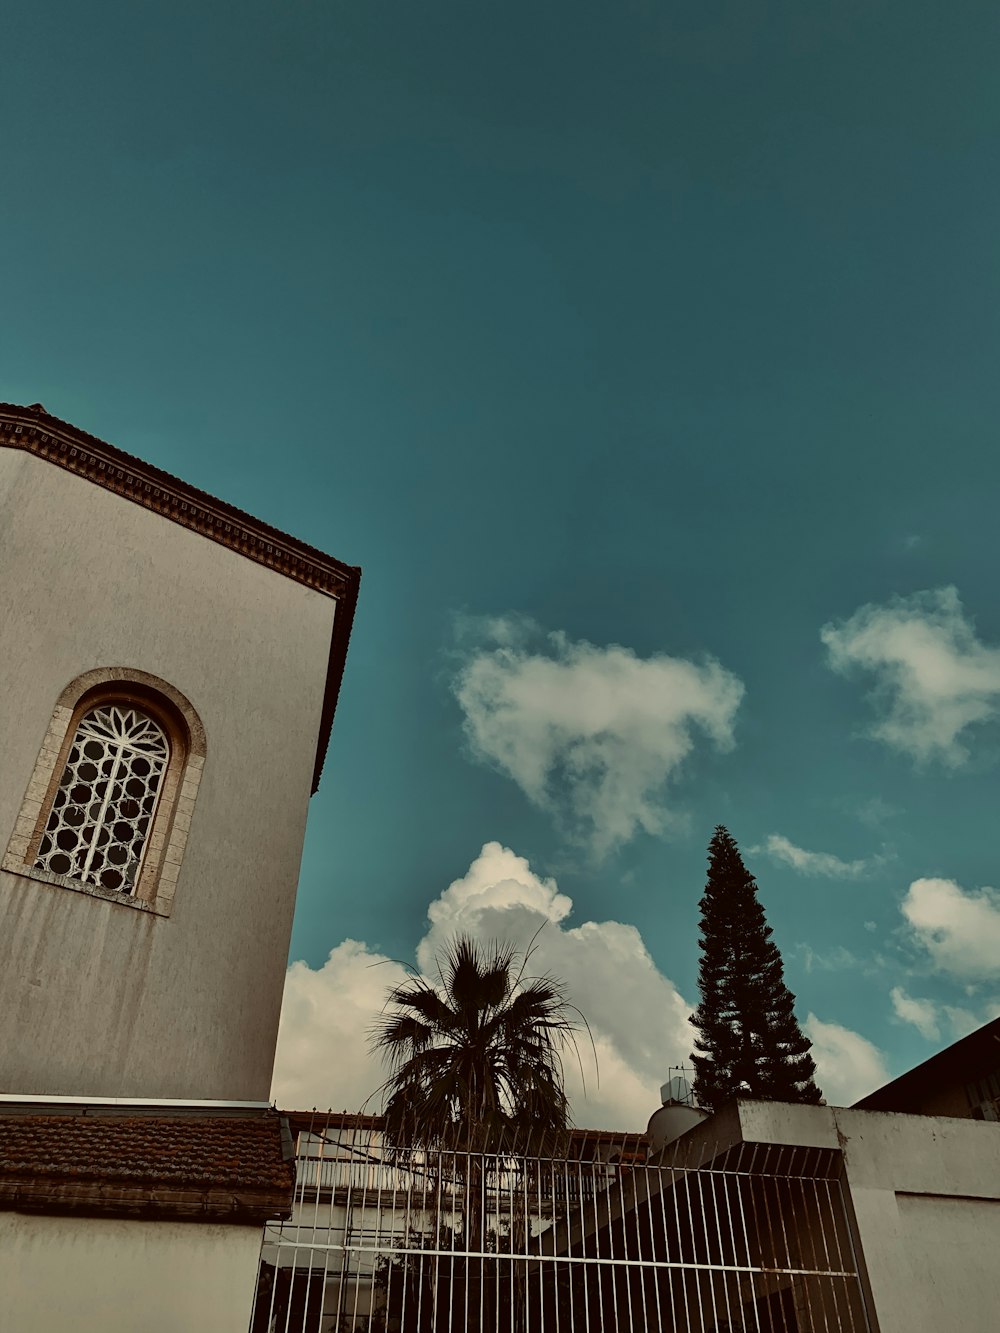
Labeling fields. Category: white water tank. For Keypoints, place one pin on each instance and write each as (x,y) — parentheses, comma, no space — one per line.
(676,1116)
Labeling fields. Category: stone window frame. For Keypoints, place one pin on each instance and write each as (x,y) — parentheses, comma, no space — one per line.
(163,853)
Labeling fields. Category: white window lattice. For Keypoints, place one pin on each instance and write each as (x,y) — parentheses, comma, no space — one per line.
(100,816)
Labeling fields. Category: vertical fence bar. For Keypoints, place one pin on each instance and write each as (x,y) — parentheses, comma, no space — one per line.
(453,1240)
(666,1176)
(837,1214)
(813,1222)
(652,1181)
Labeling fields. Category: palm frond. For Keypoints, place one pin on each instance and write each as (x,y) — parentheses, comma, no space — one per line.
(476,1057)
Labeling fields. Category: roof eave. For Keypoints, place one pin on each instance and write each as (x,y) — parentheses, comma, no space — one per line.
(37,432)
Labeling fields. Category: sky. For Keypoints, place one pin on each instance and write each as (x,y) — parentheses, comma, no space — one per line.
(644,355)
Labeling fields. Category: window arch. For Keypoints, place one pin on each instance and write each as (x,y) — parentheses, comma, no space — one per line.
(102,809)
(109,805)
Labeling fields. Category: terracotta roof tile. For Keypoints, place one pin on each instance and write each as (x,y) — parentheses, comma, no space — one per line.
(202,1164)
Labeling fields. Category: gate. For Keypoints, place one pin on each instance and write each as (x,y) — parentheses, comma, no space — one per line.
(444,1242)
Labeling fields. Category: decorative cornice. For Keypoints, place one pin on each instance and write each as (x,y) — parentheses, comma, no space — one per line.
(36,432)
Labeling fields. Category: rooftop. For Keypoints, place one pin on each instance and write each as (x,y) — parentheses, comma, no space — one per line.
(214,1167)
(962,1062)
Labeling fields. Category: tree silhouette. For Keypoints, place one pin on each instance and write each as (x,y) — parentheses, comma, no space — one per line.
(475,1062)
(749,1042)
(475,1068)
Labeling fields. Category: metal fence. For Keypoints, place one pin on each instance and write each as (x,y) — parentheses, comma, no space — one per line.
(509,1243)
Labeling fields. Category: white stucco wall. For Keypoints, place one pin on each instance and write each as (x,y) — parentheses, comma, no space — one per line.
(925,1194)
(952,1248)
(102,1275)
(100,999)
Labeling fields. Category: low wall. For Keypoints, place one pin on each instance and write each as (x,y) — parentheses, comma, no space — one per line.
(105,1275)
(925,1193)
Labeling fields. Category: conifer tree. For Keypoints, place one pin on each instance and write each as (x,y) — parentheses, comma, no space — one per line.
(749,1042)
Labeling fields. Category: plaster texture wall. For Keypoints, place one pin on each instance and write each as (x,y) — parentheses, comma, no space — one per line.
(925,1194)
(101,999)
(103,1275)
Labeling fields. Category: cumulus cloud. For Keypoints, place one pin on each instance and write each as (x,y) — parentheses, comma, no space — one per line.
(848,1066)
(637,1016)
(922,1014)
(959,928)
(823,864)
(322,1058)
(592,734)
(934,679)
(958,931)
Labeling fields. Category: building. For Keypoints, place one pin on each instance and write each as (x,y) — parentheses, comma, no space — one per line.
(963,1080)
(765,1216)
(171,668)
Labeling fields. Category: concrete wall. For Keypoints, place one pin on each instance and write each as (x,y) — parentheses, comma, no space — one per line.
(103,1275)
(925,1193)
(99,998)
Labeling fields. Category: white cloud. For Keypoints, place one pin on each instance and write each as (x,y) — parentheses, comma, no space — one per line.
(834,959)
(322,1058)
(964,1020)
(933,1019)
(923,1014)
(960,929)
(934,678)
(824,864)
(637,1016)
(848,1066)
(498,890)
(593,734)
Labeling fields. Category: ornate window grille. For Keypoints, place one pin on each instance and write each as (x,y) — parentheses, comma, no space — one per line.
(104,805)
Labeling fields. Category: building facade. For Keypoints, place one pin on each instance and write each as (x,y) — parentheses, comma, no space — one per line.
(120,584)
(171,667)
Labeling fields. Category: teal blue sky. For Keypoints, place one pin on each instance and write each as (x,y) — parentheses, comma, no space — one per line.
(665,326)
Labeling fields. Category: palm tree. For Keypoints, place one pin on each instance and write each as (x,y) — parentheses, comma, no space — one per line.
(475,1061)
(475,1067)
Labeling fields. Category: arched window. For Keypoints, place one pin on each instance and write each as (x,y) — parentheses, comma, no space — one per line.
(109,805)
(103,808)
